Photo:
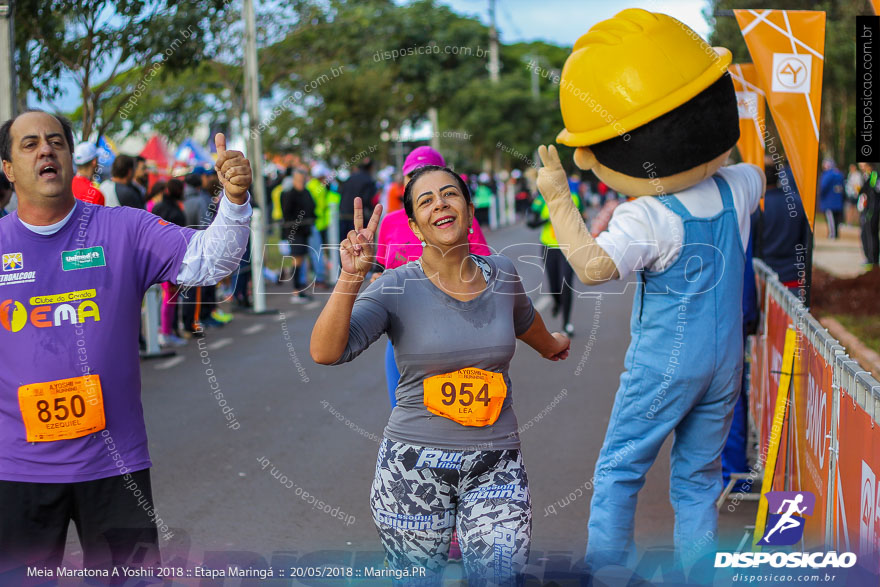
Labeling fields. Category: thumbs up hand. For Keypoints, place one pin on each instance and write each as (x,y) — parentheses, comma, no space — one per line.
(234,171)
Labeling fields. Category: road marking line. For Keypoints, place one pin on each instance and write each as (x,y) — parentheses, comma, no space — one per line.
(219,344)
(253,329)
(170,362)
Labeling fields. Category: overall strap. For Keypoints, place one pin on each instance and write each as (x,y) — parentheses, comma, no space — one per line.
(726,194)
(676,206)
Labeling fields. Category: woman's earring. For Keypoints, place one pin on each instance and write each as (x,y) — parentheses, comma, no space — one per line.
(471,230)
(423,244)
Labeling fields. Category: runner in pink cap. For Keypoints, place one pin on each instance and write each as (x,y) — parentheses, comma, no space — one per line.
(396,244)
(421,156)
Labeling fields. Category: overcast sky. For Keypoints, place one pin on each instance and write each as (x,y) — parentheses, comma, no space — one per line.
(562,21)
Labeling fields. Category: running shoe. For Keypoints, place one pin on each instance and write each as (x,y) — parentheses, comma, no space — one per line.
(210,322)
(167,340)
(298,299)
(190,333)
(221,316)
(569,329)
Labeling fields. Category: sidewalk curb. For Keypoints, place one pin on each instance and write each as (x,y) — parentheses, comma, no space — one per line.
(869,359)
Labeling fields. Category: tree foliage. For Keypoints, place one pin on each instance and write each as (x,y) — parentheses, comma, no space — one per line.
(837,131)
(101,45)
(336,77)
(399,62)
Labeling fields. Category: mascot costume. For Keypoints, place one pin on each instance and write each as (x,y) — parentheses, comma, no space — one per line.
(652,112)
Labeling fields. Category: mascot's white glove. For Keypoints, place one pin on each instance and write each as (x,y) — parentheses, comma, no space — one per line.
(589,261)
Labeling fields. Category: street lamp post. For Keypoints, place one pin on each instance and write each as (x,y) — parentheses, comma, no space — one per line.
(255,144)
(7,68)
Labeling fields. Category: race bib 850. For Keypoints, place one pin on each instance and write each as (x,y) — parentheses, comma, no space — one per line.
(62,409)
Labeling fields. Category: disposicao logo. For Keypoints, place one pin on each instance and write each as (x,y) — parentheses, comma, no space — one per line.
(790,560)
(785,527)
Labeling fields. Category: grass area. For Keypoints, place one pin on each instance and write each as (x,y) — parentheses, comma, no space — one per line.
(865,328)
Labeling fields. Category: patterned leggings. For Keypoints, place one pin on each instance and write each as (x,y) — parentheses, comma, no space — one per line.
(420,494)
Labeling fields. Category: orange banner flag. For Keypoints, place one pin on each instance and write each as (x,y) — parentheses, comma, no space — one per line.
(876,5)
(788,50)
(750,102)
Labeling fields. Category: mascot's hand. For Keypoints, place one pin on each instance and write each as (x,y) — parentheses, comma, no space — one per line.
(552,181)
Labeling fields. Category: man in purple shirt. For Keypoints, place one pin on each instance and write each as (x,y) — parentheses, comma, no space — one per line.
(73,443)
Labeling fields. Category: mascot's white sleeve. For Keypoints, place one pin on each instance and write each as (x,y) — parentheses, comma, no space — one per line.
(590,262)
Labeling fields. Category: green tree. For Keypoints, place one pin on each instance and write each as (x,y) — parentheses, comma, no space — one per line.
(96,42)
(169,104)
(837,129)
(398,61)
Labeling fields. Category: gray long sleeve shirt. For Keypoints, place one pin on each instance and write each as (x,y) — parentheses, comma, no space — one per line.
(433,334)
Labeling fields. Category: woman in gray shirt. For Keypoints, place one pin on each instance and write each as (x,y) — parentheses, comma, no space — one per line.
(450,456)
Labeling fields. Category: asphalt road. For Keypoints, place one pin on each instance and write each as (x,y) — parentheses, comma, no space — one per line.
(318,427)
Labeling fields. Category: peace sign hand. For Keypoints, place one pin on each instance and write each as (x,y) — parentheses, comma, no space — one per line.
(357,252)
(552,180)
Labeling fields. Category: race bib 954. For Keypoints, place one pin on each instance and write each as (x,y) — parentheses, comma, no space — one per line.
(471,397)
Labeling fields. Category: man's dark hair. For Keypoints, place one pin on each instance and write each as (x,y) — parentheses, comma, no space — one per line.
(193,180)
(6,133)
(138,159)
(366,164)
(4,183)
(122,166)
(408,190)
(174,190)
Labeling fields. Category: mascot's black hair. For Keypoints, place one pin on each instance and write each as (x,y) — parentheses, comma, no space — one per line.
(699,130)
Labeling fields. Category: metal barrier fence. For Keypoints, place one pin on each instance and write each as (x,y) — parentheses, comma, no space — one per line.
(844,430)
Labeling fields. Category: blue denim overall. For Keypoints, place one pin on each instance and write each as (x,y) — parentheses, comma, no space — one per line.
(682,375)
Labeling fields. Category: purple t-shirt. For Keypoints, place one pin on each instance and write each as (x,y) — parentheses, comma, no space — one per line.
(70,305)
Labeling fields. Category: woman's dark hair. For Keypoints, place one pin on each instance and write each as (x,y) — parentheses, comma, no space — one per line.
(408,190)
(158,188)
(175,189)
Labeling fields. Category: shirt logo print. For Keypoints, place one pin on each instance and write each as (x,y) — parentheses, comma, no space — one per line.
(12,262)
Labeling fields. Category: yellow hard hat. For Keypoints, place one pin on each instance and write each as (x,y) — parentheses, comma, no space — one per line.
(630,69)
